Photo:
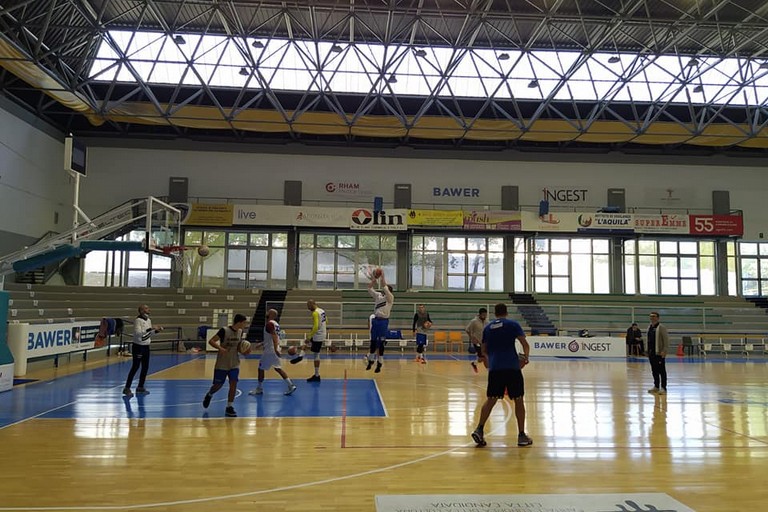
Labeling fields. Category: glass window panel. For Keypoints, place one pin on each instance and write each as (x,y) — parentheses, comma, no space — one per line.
(434,243)
(763,287)
(581,246)
(689,287)
(279,239)
(160,262)
(236,259)
(581,277)
(667,247)
(668,267)
(648,277)
(457,263)
(732,277)
(541,265)
(346,262)
(346,241)
(541,284)
(707,275)
(748,248)
(749,268)
(707,248)
(602,276)
(279,267)
(750,288)
(630,247)
(560,245)
(326,262)
(520,275)
(215,239)
(257,260)
(476,263)
(368,241)
(689,267)
(325,280)
(138,259)
(390,270)
(763,268)
(560,285)
(238,238)
(306,268)
(495,273)
(236,280)
(326,241)
(345,281)
(389,242)
(193,238)
(306,240)
(213,269)
(602,246)
(476,244)
(630,282)
(496,244)
(137,278)
(541,244)
(669,287)
(560,265)
(457,283)
(260,239)
(688,247)
(730,248)
(417,243)
(257,280)
(763,249)
(646,247)
(457,244)
(95,268)
(476,284)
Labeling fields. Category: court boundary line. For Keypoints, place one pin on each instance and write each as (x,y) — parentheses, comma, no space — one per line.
(211,499)
(344,412)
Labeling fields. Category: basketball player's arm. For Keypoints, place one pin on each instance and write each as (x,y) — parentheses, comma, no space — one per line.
(215,342)
(415,317)
(526,350)
(276,343)
(388,294)
(315,325)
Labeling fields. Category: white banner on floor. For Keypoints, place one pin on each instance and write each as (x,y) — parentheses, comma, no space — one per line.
(568,346)
(530,503)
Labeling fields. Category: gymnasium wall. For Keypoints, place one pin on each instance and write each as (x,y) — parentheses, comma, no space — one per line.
(652,184)
(33,185)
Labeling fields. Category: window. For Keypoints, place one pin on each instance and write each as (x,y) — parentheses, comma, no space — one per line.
(579,265)
(753,268)
(341,261)
(460,263)
(669,267)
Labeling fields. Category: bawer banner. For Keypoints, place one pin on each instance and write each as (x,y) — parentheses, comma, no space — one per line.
(435,217)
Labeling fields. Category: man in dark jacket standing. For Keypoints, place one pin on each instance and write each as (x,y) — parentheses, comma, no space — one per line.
(658,345)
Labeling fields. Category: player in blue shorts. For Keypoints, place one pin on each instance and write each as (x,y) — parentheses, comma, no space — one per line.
(382,301)
(227,342)
(504,371)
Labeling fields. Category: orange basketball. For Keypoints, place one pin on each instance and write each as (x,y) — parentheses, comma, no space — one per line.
(427,324)
(377,273)
(292,351)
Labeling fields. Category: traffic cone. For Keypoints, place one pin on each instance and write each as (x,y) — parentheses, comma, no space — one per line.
(680,352)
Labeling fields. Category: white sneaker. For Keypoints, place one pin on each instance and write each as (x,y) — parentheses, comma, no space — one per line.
(291,389)
(654,391)
(257,391)
(662,391)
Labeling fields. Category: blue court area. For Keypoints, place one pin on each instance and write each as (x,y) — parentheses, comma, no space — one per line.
(97,394)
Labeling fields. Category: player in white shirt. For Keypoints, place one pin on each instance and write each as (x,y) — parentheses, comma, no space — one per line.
(270,358)
(142,337)
(383,301)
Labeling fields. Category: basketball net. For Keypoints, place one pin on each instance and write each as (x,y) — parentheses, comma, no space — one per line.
(177,253)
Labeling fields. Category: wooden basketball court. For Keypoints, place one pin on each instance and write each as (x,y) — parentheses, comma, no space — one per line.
(70,442)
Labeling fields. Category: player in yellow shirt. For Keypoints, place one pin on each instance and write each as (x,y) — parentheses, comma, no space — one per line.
(316,336)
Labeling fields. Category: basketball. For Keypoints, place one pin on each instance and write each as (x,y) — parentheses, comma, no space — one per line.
(245,347)
(427,324)
(292,351)
(203,251)
(377,273)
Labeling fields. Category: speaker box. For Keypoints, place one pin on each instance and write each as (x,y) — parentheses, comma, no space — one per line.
(510,197)
(617,200)
(721,202)
(402,195)
(178,190)
(292,193)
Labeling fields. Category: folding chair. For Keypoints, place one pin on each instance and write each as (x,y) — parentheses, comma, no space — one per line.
(455,338)
(440,338)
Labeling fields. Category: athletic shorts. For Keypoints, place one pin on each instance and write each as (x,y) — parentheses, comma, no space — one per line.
(379,330)
(269,360)
(316,346)
(421,338)
(510,381)
(219,376)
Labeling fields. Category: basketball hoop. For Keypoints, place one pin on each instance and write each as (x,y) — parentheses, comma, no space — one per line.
(177,253)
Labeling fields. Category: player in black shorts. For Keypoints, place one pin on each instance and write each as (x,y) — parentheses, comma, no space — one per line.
(504,371)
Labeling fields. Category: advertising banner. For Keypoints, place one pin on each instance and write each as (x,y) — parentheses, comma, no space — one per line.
(717,225)
(566,346)
(436,218)
(279,215)
(662,224)
(365,219)
(6,377)
(344,190)
(52,339)
(564,222)
(620,223)
(204,214)
(500,220)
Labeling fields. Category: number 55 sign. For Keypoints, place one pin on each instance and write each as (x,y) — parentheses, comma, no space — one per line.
(716,225)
